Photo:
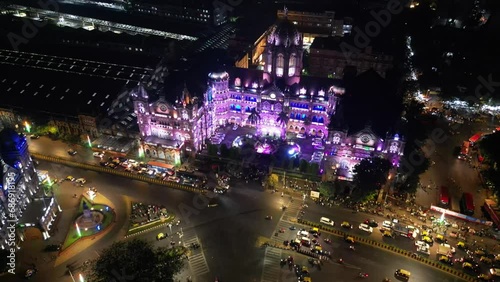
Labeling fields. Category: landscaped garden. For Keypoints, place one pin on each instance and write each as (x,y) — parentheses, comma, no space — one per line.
(89,221)
(145,216)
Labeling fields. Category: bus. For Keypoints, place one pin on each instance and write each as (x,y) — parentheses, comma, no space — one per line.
(444,198)
(475,138)
(467,204)
(464,151)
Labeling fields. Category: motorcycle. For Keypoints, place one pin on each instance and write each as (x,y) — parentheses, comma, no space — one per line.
(352,248)
(328,241)
(292,227)
(340,261)
(269,217)
(363,275)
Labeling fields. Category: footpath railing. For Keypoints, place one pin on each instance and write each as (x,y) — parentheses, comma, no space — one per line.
(394,249)
(108,170)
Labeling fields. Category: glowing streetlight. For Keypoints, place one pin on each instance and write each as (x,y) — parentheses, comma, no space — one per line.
(141,152)
(49,181)
(88,141)
(78,230)
(27,126)
(80,276)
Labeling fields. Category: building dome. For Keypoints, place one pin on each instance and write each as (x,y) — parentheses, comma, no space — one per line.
(9,139)
(284,33)
(218,75)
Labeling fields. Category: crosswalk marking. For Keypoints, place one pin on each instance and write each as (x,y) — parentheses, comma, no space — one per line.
(197,262)
(271,268)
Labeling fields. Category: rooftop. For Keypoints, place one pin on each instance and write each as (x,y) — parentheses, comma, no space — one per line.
(37,90)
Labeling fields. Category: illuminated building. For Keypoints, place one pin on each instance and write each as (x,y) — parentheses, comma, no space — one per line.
(19,186)
(277,100)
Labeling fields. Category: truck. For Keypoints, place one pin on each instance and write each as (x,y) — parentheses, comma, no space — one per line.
(445,250)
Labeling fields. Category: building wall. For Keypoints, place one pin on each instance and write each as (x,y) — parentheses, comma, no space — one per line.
(324,62)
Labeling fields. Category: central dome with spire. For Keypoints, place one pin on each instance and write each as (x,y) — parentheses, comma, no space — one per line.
(284,33)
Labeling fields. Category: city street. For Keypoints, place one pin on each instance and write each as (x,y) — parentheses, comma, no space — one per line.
(445,167)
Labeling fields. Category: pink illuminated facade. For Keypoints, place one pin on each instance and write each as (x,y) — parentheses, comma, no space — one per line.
(349,150)
(283,101)
(276,100)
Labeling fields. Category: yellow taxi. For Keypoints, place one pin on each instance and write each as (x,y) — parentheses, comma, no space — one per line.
(485,260)
(425,233)
(317,248)
(497,258)
(307,279)
(446,259)
(440,238)
(349,239)
(427,239)
(403,274)
(479,252)
(345,224)
(388,233)
(161,236)
(461,245)
(305,270)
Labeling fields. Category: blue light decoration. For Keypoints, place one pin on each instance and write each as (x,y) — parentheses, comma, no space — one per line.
(107,208)
(18,165)
(98,227)
(210,95)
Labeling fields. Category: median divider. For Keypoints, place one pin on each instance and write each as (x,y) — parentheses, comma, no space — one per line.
(391,248)
(108,170)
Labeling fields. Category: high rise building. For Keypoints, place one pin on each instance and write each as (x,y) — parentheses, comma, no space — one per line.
(20,186)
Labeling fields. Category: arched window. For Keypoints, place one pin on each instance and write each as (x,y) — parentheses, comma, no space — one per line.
(278,107)
(280,64)
(291,65)
(321,120)
(314,119)
(297,116)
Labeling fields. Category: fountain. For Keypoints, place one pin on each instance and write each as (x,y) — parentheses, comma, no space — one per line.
(89,218)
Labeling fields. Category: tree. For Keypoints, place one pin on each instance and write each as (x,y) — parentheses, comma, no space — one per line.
(327,189)
(314,169)
(490,149)
(412,179)
(137,260)
(234,153)
(282,119)
(212,150)
(304,166)
(4,260)
(254,116)
(371,174)
(224,151)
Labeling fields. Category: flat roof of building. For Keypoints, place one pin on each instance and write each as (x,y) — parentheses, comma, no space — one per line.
(42,91)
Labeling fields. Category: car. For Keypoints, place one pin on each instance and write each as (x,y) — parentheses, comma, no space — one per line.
(103,163)
(421,244)
(302,233)
(371,223)
(462,245)
(446,259)
(495,272)
(70,178)
(402,274)
(220,190)
(98,154)
(440,238)
(366,228)
(470,267)
(34,136)
(72,152)
(174,179)
(388,233)
(161,236)
(480,252)
(485,277)
(327,221)
(346,224)
(486,260)
(387,224)
(428,240)
(81,180)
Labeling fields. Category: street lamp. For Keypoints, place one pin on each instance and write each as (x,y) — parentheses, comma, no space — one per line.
(80,276)
(27,126)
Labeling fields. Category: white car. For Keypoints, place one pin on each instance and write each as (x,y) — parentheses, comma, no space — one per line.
(366,228)
(302,233)
(387,224)
(421,244)
(81,180)
(327,221)
(174,179)
(98,154)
